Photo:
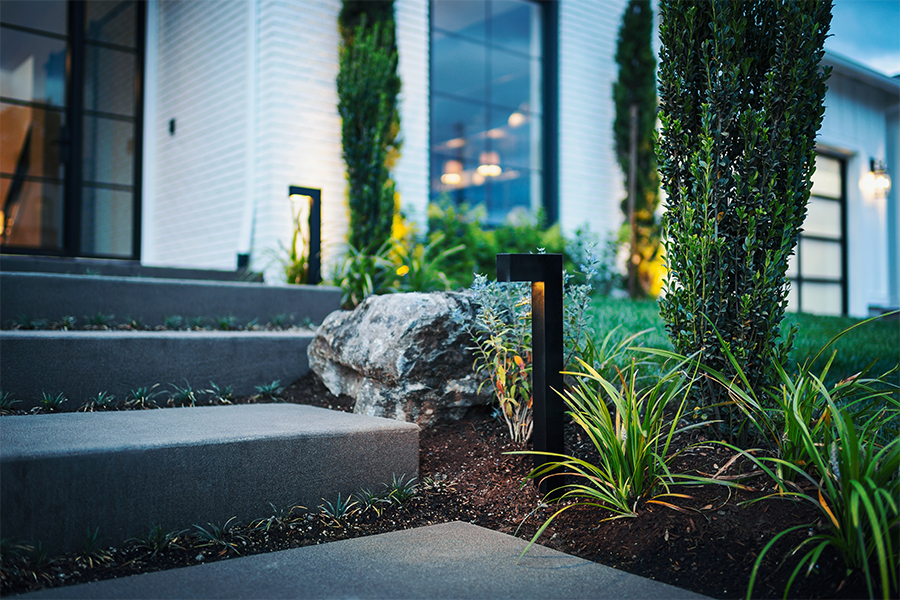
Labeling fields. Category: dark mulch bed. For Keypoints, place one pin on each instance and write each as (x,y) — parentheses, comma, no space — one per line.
(708,546)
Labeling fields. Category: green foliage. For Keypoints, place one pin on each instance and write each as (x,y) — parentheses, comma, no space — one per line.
(279,518)
(157,540)
(401,489)
(52,403)
(636,85)
(99,320)
(65,323)
(227,323)
(741,94)
(628,426)
(367,87)
(183,396)
(220,395)
(222,537)
(6,402)
(142,398)
(339,511)
(270,391)
(361,275)
(421,265)
(102,401)
(90,553)
(173,322)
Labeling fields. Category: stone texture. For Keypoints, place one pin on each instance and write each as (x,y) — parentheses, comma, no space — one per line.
(401,356)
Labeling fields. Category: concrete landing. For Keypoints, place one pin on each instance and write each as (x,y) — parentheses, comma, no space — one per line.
(453,560)
(124,472)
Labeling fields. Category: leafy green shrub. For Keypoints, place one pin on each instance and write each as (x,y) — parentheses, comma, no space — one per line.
(421,265)
(52,403)
(461,226)
(367,86)
(361,275)
(741,94)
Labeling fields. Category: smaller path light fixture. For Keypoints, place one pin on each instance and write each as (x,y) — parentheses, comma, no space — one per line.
(309,200)
(490,164)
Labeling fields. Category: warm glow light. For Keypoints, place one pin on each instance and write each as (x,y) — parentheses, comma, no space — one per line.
(490,164)
(882,182)
(876,183)
(516,119)
(456,143)
(451,178)
(496,134)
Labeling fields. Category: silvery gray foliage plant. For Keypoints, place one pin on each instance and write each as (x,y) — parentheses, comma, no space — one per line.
(501,331)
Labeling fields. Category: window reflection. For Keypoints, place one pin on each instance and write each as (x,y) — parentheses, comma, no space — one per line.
(485,104)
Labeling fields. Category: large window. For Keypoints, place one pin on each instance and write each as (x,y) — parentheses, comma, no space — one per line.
(818,270)
(486,108)
(70,112)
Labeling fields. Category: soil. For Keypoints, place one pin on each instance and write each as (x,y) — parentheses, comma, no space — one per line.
(706,544)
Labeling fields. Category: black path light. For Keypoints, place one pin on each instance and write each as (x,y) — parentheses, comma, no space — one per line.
(314,256)
(545,272)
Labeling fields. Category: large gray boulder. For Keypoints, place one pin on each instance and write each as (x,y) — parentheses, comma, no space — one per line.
(401,356)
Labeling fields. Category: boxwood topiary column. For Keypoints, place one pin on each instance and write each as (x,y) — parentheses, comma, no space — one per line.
(741,93)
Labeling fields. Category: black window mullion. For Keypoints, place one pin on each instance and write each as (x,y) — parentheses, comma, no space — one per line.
(136,180)
(75,130)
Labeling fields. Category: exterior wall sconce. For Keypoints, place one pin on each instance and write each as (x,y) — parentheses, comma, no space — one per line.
(880,177)
(314,198)
(490,164)
(545,272)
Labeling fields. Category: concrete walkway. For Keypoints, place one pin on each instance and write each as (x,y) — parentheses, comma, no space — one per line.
(453,560)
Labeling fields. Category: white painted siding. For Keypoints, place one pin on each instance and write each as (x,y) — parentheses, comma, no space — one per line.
(590,181)
(200,182)
(298,126)
(411,171)
(855,125)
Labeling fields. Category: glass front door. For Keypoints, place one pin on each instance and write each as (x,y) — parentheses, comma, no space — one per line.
(70,112)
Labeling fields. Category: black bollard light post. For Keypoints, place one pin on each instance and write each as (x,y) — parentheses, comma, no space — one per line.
(314,196)
(545,272)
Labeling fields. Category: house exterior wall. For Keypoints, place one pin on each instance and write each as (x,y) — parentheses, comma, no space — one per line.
(199,175)
(590,181)
(855,128)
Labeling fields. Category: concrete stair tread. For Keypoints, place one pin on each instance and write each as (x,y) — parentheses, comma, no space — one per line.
(69,434)
(123,472)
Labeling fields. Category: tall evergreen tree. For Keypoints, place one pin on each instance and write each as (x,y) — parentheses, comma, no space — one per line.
(742,96)
(636,86)
(368,86)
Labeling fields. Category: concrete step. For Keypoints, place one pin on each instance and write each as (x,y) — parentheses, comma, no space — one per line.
(81,364)
(116,267)
(53,296)
(452,560)
(123,472)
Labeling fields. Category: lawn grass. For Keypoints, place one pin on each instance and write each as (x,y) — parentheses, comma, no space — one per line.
(874,344)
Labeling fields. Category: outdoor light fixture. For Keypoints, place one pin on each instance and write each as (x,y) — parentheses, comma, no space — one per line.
(299,195)
(516,119)
(880,178)
(545,272)
(453,170)
(490,164)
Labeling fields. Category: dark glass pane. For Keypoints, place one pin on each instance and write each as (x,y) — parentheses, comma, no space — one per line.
(106,222)
(513,26)
(512,84)
(508,192)
(30,141)
(32,67)
(458,67)
(108,151)
(457,128)
(47,15)
(464,17)
(30,214)
(109,81)
(111,21)
(516,138)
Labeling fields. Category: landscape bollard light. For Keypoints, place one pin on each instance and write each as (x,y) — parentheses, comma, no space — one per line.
(545,272)
(314,274)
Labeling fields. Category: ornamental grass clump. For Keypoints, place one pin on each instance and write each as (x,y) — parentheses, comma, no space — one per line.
(741,96)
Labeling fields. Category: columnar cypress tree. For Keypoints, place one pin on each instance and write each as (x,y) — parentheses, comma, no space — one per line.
(368,86)
(741,100)
(636,85)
